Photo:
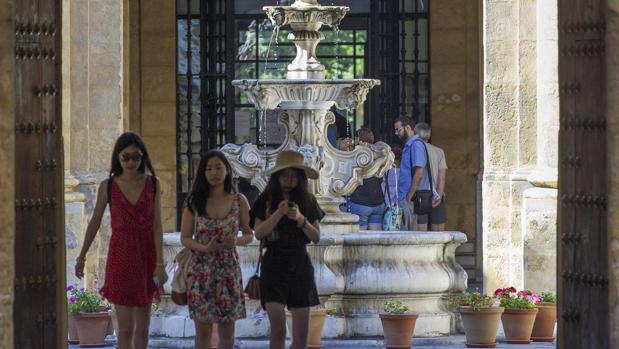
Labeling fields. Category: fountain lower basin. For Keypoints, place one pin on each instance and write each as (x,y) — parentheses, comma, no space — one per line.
(355,273)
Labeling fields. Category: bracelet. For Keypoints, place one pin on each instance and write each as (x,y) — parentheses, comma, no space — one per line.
(304,223)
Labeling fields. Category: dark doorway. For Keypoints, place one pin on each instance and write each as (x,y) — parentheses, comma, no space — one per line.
(40,305)
(582,241)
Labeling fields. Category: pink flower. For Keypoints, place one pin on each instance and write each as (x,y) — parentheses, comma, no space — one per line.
(512,289)
(522,293)
(499,292)
(535,298)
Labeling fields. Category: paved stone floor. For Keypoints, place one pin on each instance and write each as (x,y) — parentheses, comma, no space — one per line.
(450,342)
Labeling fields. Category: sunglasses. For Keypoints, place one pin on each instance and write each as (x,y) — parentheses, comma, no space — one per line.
(127,157)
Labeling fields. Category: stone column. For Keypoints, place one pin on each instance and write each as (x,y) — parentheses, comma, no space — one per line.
(539,210)
(508,135)
(612,166)
(92,114)
(7,163)
(75,224)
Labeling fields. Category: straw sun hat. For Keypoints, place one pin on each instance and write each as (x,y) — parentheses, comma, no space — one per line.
(291,159)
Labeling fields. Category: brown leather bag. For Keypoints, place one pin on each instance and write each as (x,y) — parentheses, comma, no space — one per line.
(252,289)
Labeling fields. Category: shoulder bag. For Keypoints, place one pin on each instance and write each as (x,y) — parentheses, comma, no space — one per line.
(253,284)
(422,199)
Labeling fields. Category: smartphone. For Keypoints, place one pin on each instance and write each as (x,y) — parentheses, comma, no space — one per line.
(290,204)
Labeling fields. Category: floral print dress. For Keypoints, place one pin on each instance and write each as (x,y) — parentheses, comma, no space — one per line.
(214,282)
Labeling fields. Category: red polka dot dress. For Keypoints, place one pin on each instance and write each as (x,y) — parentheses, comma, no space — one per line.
(131,257)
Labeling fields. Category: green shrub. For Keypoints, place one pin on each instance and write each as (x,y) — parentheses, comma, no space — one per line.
(395,307)
(475,300)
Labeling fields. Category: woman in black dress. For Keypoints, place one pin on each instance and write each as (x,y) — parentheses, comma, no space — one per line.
(287,218)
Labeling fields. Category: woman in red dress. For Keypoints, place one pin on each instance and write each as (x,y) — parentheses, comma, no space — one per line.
(134,270)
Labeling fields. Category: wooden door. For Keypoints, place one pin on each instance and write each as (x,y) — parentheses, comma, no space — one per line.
(582,241)
(39,305)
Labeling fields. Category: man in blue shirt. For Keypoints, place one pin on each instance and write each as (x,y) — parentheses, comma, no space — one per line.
(412,175)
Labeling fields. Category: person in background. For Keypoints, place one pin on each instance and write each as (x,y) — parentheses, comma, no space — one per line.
(413,175)
(438,166)
(391,177)
(367,201)
(345,144)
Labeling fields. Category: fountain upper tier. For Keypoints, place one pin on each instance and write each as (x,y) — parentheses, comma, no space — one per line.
(306,93)
(305,18)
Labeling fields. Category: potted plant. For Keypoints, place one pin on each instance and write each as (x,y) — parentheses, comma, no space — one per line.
(92,318)
(519,314)
(316,323)
(480,318)
(544,326)
(72,309)
(398,324)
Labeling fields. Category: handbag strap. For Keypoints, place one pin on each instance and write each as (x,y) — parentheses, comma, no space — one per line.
(427,162)
(387,189)
(259,257)
(425,147)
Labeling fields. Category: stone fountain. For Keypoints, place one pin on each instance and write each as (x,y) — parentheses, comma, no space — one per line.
(355,271)
(304,98)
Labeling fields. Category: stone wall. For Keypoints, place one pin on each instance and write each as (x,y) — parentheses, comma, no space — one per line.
(92,108)
(157,80)
(7,163)
(612,166)
(539,209)
(520,147)
(456,112)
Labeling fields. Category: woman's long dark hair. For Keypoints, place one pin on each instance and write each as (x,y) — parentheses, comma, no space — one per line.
(201,190)
(300,195)
(127,139)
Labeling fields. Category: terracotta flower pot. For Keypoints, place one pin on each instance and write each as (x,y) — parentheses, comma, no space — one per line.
(518,325)
(480,327)
(92,328)
(110,327)
(316,323)
(73,336)
(544,326)
(398,329)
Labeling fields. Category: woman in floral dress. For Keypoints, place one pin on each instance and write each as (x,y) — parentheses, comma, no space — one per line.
(213,214)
